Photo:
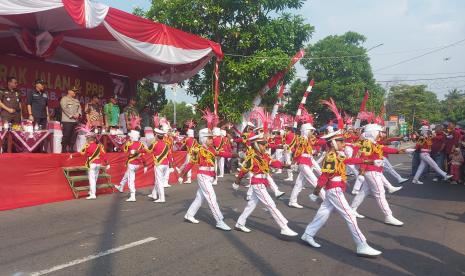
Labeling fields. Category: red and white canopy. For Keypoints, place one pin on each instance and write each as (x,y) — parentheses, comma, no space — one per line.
(94,36)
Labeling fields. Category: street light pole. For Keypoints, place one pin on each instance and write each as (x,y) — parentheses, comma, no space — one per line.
(174,103)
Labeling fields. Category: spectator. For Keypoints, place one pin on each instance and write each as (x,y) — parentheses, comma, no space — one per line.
(71,112)
(37,104)
(146,117)
(94,112)
(130,111)
(437,148)
(10,102)
(111,111)
(456,161)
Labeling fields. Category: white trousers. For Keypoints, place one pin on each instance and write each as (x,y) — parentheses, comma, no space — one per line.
(358,182)
(316,167)
(288,161)
(373,184)
(261,194)
(335,200)
(273,186)
(205,192)
(130,178)
(279,155)
(92,173)
(220,166)
(427,160)
(162,176)
(305,174)
(390,169)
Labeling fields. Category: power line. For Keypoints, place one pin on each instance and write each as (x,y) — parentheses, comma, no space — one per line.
(420,74)
(419,56)
(430,79)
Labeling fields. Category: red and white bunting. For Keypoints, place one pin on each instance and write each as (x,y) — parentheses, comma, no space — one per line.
(303,101)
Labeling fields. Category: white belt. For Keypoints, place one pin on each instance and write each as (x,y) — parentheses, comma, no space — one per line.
(307,155)
(209,169)
(425,150)
(336,179)
(262,176)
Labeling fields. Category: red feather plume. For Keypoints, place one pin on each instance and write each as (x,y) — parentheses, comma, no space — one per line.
(210,118)
(332,106)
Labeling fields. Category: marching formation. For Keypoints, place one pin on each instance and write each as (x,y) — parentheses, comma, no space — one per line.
(269,145)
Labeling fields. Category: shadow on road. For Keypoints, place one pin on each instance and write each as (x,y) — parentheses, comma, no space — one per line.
(425,257)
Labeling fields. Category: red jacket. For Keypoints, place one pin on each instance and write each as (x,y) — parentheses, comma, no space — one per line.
(161,153)
(259,165)
(95,154)
(136,151)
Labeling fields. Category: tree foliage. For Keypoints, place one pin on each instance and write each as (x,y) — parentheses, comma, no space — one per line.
(408,100)
(260,35)
(184,113)
(453,106)
(148,95)
(344,79)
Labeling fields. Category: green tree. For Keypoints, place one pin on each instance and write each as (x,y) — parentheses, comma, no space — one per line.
(453,106)
(259,35)
(344,79)
(408,100)
(148,95)
(184,113)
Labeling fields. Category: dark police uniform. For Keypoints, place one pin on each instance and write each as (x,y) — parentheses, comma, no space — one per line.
(38,102)
(11,99)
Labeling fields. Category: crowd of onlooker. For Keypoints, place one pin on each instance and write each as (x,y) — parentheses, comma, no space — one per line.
(70,112)
(447,150)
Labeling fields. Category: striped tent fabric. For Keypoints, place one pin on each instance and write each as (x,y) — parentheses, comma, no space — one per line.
(94,36)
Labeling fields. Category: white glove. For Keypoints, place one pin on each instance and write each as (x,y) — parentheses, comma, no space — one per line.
(313,197)
(132,151)
(171,170)
(241,155)
(145,170)
(108,167)
(378,163)
(235,186)
(180,180)
(409,150)
(295,167)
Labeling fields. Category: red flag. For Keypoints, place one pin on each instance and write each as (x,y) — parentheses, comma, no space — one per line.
(364,102)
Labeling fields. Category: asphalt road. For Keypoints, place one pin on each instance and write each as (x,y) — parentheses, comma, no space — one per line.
(112,237)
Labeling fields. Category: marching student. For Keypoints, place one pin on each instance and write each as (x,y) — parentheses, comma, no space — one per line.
(162,161)
(258,162)
(333,179)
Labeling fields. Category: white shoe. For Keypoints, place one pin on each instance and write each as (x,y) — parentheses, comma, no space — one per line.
(150,196)
(242,228)
(279,171)
(355,192)
(415,181)
(286,231)
(191,219)
(215,182)
(119,188)
(391,220)
(364,250)
(295,205)
(167,186)
(309,239)
(394,189)
(279,194)
(223,226)
(91,197)
(220,176)
(247,186)
(132,198)
(357,215)
(159,201)
(402,180)
(248,198)
(289,179)
(447,177)
(188,181)
(435,179)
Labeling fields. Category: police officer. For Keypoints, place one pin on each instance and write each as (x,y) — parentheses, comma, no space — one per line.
(10,102)
(70,115)
(37,104)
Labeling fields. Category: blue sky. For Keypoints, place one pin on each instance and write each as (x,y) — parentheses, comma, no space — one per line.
(406,28)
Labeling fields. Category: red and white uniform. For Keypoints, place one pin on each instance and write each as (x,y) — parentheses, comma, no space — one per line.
(424,145)
(334,184)
(373,184)
(162,158)
(136,151)
(96,156)
(205,159)
(258,164)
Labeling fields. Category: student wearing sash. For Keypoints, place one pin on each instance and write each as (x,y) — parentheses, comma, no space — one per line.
(162,160)
(136,150)
(96,157)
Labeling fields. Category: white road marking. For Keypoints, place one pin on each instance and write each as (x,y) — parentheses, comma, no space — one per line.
(92,257)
